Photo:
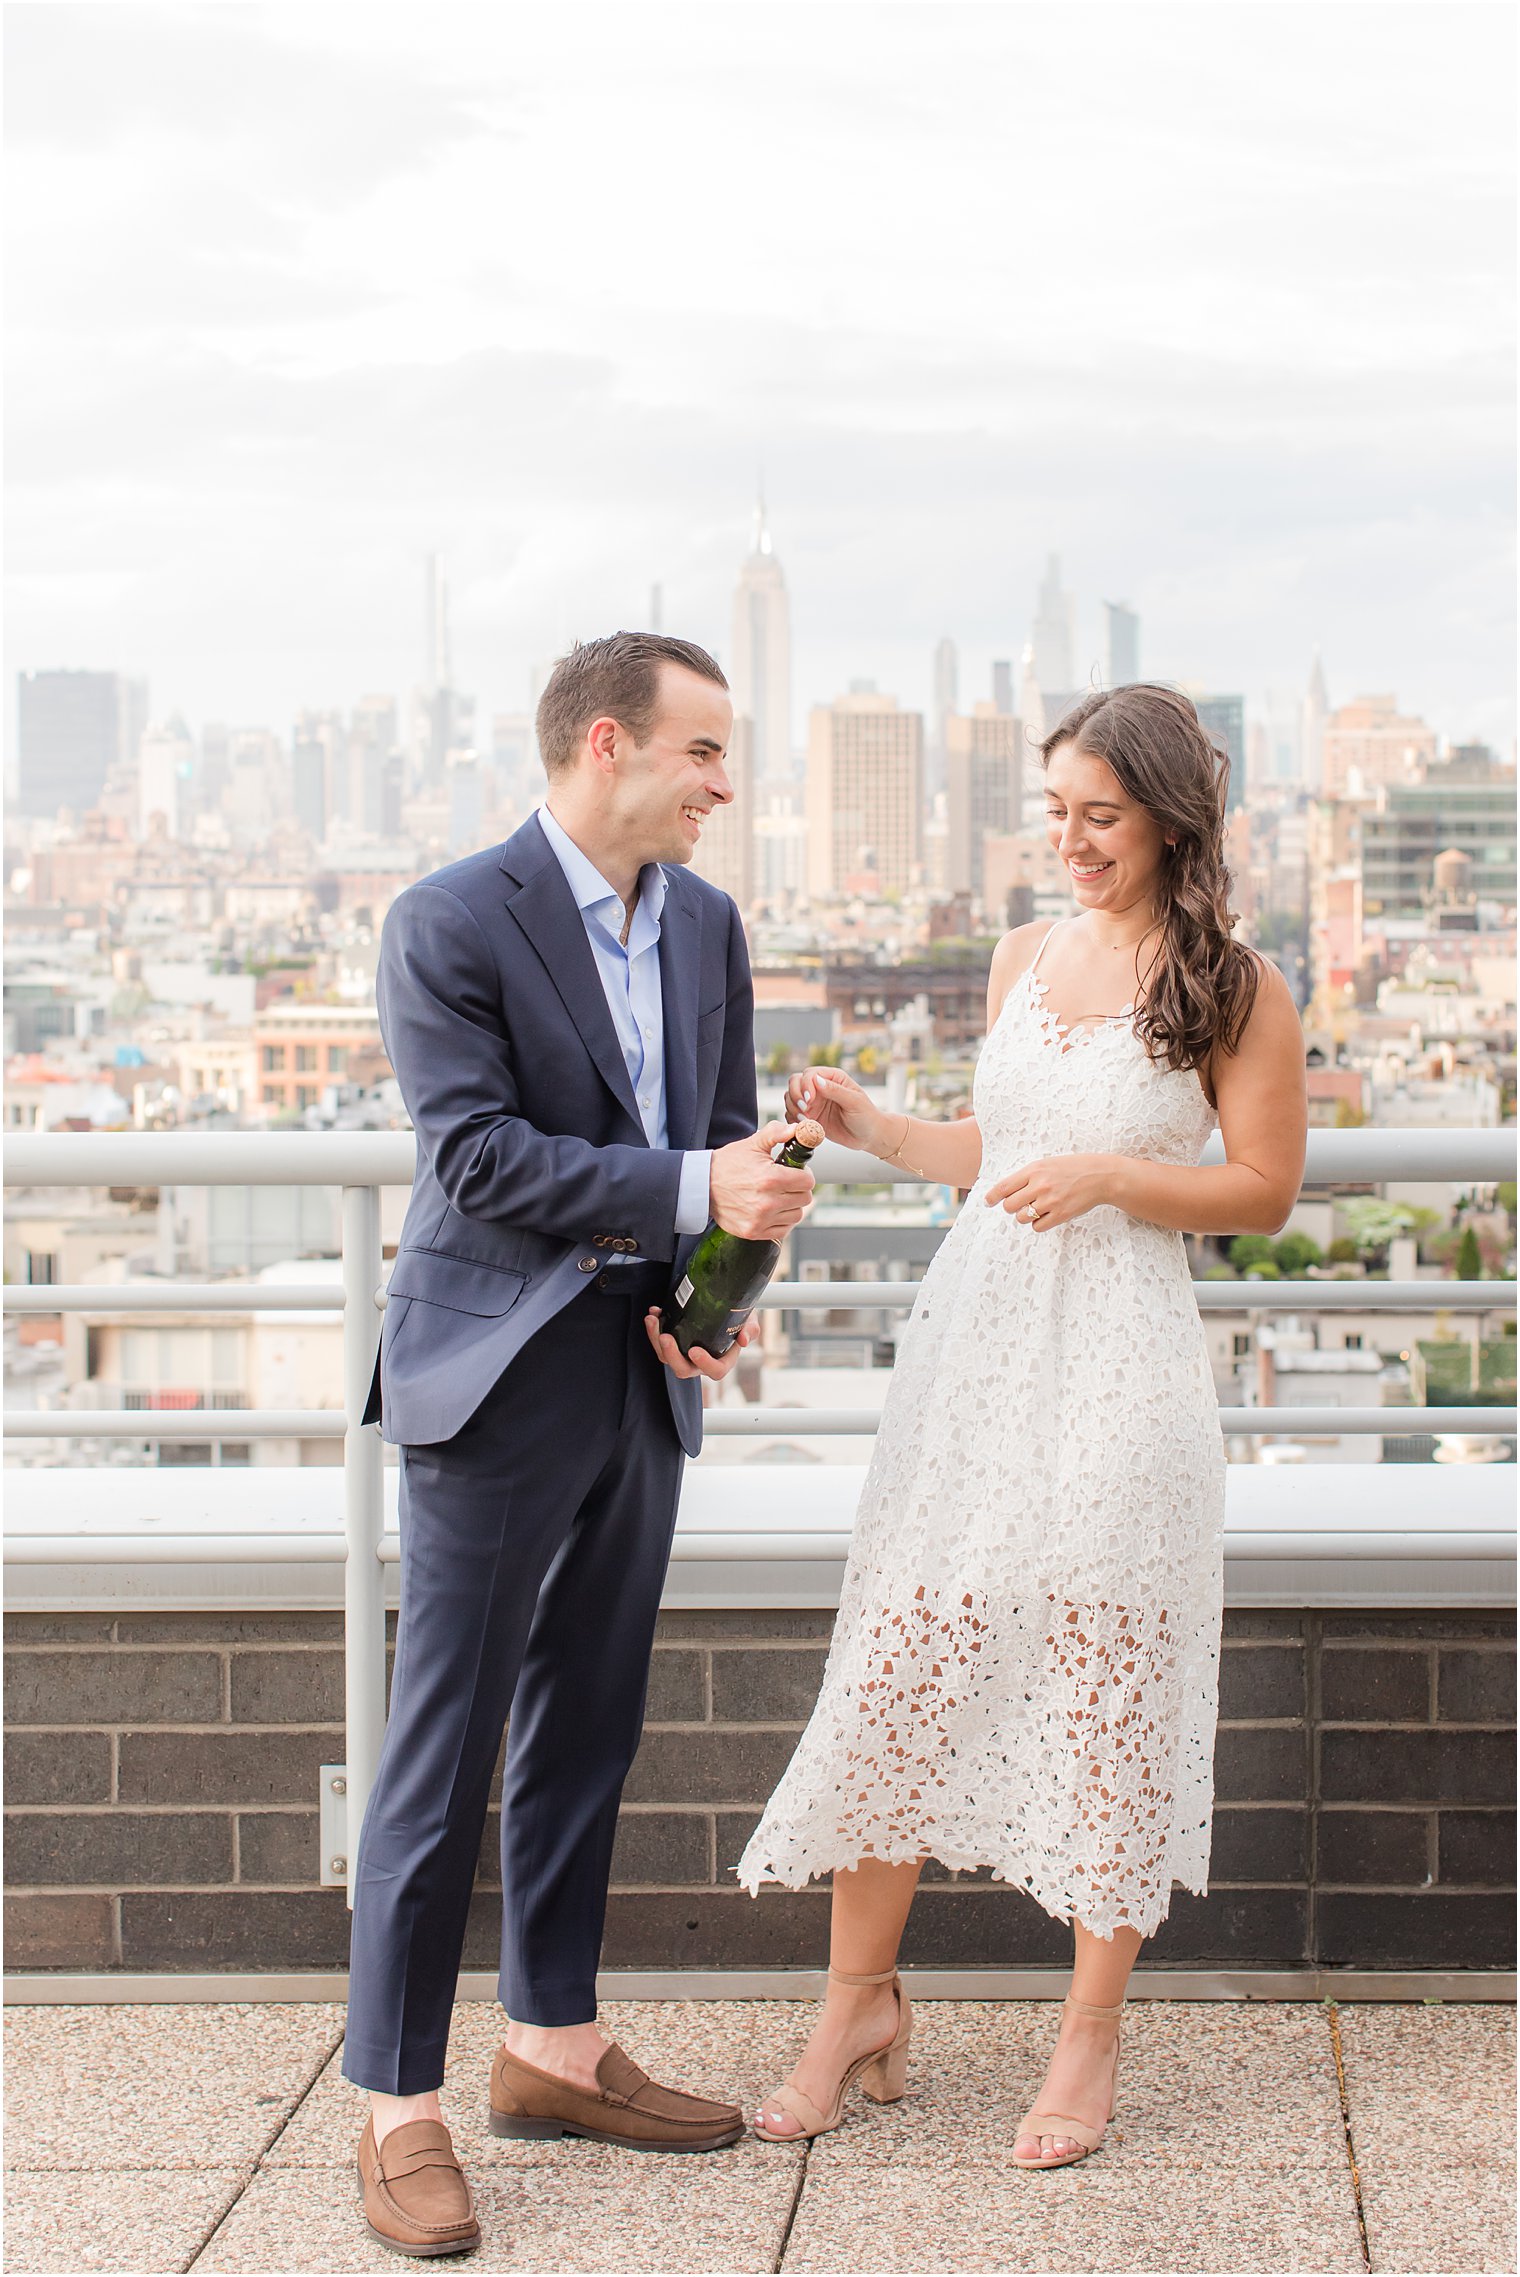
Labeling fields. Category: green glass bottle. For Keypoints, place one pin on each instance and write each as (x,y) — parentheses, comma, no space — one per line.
(725,1273)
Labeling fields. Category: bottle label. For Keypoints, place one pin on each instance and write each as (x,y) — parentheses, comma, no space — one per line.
(686,1291)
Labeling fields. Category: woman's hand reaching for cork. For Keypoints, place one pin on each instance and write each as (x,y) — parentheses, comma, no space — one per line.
(837,1103)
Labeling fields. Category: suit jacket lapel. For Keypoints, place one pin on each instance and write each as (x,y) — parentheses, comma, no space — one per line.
(544,907)
(680,965)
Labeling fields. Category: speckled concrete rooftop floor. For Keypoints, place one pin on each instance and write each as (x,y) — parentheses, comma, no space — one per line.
(1261,2137)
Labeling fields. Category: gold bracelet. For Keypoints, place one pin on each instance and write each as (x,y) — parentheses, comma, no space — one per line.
(897,1152)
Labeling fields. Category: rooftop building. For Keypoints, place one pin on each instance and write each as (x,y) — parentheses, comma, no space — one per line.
(1369,742)
(1410,826)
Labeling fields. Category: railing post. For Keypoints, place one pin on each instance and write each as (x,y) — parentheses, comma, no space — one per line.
(364,1513)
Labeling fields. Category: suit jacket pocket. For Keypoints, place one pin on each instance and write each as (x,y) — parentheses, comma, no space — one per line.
(456,1282)
(710,1031)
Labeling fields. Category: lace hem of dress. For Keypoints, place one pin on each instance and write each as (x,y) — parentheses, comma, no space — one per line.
(1139,1908)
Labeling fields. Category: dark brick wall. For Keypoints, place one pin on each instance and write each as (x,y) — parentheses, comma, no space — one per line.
(161,1784)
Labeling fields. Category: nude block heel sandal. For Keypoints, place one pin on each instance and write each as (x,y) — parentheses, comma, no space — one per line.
(1038,2122)
(883,2075)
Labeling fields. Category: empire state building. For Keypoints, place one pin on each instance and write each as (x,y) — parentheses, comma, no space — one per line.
(760,670)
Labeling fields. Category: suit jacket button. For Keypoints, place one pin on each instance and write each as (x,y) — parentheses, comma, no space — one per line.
(585,1264)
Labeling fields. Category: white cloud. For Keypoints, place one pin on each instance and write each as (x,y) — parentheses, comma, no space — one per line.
(1216,300)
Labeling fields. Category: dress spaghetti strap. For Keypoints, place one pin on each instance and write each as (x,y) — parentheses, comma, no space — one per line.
(1040,951)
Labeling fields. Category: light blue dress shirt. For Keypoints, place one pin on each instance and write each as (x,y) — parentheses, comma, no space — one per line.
(630,979)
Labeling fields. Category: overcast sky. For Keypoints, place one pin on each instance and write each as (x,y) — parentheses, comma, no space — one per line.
(1214,299)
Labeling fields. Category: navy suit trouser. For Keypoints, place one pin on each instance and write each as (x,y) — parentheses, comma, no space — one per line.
(533,1552)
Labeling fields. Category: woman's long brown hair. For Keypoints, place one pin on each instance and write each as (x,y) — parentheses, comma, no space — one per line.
(1201,984)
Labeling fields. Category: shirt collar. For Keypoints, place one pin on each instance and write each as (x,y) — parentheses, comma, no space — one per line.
(588,885)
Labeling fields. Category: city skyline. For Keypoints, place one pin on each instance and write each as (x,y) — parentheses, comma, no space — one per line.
(436,713)
(433,724)
(414,675)
(291,312)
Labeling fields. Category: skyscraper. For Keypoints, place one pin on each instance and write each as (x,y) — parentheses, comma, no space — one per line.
(373,754)
(214,772)
(446,719)
(165,778)
(864,794)
(985,768)
(1311,740)
(1031,705)
(465,781)
(725,854)
(256,781)
(320,774)
(946,686)
(73,728)
(439,671)
(1274,742)
(1224,718)
(514,760)
(1042,709)
(1002,684)
(1054,637)
(1120,662)
(760,669)
(310,775)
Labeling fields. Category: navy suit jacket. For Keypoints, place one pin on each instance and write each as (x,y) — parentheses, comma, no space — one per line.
(532,1163)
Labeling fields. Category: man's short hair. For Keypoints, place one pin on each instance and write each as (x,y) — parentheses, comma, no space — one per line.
(616,678)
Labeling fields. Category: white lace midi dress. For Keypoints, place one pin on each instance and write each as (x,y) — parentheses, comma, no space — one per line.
(1024,1672)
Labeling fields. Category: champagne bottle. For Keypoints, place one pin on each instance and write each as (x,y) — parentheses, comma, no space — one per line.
(725,1273)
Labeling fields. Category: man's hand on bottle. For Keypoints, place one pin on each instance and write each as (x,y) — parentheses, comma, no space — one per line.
(752,1196)
(700,1363)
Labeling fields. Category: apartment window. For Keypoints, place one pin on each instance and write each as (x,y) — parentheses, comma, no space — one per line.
(306,1095)
(1353,1344)
(203,1454)
(41,1268)
(272,1059)
(180,1366)
(306,1059)
(1240,1344)
(271,1095)
(337,1059)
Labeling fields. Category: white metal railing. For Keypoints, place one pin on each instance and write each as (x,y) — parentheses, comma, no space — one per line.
(361,1164)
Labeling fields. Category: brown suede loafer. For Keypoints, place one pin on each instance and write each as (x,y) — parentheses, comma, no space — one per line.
(626,2107)
(416,2199)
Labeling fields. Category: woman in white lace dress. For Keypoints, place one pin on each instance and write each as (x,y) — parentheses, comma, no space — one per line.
(1024,1669)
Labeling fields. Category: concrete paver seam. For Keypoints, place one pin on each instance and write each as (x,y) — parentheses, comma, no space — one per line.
(792,2211)
(1333,2013)
(246,2175)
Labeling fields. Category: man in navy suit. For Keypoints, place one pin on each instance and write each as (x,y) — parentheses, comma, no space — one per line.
(570,1021)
